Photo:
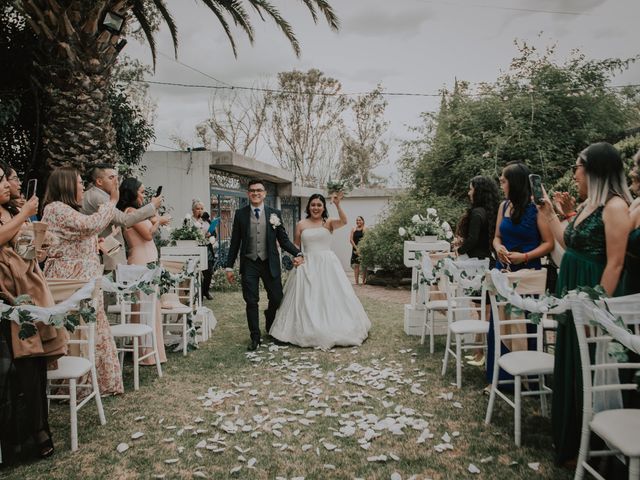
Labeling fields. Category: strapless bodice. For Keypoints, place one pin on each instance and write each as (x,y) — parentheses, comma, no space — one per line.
(316,239)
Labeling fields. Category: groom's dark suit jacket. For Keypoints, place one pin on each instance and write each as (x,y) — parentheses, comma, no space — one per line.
(240,238)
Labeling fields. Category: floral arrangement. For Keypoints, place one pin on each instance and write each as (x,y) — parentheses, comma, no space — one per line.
(188,231)
(339,186)
(428,224)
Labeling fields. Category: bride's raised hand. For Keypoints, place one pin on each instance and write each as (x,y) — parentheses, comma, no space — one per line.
(337,197)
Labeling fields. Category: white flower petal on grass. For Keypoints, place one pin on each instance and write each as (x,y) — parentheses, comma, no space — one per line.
(486,459)
(395,457)
(329,446)
(199,454)
(137,419)
(235,469)
(122,447)
(306,447)
(378,458)
(136,435)
(446,438)
(473,469)
(457,404)
(396,476)
(199,474)
(328,466)
(455,434)
(171,440)
(534,466)
(170,461)
(251,463)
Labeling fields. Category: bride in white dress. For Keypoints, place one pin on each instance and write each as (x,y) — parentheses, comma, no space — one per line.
(319,307)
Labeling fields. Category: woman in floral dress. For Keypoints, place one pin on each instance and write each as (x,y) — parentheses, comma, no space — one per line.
(75,256)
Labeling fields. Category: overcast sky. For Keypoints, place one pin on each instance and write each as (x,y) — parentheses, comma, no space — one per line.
(415,46)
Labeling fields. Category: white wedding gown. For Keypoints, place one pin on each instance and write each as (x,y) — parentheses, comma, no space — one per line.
(320,308)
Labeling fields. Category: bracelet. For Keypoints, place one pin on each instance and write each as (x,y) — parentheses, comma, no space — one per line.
(526,258)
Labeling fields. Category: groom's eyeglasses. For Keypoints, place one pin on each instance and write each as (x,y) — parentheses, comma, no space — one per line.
(256,190)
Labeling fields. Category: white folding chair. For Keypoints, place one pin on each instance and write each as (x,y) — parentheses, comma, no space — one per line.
(619,427)
(180,311)
(139,332)
(431,304)
(524,364)
(72,369)
(459,311)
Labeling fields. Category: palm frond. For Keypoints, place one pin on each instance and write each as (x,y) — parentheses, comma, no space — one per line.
(137,9)
(326,9)
(217,11)
(168,19)
(285,27)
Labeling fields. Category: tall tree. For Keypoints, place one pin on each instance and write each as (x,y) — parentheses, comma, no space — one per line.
(363,145)
(237,122)
(77,50)
(539,111)
(305,121)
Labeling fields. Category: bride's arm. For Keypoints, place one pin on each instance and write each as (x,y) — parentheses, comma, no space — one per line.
(342,221)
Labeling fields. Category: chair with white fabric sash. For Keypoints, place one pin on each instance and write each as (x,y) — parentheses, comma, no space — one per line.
(431,303)
(618,427)
(460,308)
(181,304)
(522,364)
(73,369)
(141,332)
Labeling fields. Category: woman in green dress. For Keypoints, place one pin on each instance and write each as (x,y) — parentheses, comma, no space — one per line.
(595,241)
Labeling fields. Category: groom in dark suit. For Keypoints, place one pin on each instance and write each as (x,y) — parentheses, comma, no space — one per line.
(256,228)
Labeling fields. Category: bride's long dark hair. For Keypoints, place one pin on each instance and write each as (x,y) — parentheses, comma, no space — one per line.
(325,215)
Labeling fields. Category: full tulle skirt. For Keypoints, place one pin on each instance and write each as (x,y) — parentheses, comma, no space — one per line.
(319,307)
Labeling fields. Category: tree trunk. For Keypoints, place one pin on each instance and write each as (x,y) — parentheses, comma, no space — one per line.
(78,130)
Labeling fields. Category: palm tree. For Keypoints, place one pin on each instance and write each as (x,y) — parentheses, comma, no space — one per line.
(79,41)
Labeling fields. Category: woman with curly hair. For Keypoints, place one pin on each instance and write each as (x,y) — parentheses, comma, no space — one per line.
(477,227)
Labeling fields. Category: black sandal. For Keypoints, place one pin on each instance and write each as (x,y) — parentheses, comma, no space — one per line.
(45,448)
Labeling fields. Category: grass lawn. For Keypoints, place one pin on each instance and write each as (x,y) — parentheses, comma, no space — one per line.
(365,412)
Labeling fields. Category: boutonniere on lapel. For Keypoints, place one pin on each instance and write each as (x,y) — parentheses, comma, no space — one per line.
(274,221)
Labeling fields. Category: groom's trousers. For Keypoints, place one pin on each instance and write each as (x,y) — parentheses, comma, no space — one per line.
(254,270)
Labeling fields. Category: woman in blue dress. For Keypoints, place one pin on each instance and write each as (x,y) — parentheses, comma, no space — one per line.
(521,239)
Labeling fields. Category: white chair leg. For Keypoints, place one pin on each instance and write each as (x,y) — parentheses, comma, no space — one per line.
(121,356)
(431,340)
(184,335)
(583,452)
(543,398)
(96,389)
(424,326)
(445,361)
(136,365)
(492,395)
(634,468)
(458,362)
(156,354)
(73,413)
(517,400)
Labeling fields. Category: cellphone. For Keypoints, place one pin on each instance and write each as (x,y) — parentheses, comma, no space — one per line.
(536,188)
(32,185)
(159,191)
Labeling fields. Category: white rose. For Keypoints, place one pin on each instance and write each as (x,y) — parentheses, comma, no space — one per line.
(432,211)
(416,218)
(446,226)
(448,234)
(402,232)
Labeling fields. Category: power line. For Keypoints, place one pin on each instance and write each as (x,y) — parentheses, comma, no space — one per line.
(339,94)
(194,69)
(165,146)
(513,9)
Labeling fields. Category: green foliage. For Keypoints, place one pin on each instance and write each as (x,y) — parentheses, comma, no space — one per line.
(382,245)
(539,111)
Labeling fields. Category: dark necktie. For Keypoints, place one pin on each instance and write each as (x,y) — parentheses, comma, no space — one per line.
(257,213)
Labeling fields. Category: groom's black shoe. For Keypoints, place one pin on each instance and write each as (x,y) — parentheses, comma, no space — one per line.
(253,346)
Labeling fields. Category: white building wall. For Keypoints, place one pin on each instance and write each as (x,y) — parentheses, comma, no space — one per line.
(182,177)
(370,208)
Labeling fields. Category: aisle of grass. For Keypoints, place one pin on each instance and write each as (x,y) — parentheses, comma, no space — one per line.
(289,398)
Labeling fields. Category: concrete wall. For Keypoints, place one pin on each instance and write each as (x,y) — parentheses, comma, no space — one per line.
(368,203)
(182,177)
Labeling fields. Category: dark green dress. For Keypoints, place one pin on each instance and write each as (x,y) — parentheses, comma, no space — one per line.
(582,265)
(632,264)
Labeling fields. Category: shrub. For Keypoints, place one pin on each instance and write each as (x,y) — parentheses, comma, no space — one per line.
(382,246)
(219,281)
